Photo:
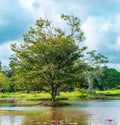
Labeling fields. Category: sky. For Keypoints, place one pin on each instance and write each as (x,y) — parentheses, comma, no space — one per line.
(100,22)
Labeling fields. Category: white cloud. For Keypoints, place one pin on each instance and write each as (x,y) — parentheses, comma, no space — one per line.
(28,5)
(6,52)
(45,9)
(116,46)
(103,34)
(96,30)
(53,9)
(116,66)
(39,8)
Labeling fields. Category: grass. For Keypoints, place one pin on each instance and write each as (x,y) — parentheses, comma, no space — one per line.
(111,92)
(36,96)
(77,94)
(115,93)
(73,95)
(33,96)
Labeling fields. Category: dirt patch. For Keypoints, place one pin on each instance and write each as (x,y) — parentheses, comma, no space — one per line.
(55,104)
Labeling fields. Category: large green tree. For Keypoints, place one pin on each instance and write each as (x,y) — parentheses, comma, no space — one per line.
(48,57)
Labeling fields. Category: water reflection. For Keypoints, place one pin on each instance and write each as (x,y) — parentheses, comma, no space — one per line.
(83,113)
(57,114)
(10,120)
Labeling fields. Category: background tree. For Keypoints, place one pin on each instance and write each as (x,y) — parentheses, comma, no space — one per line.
(8,73)
(48,57)
(110,79)
(95,62)
(4,81)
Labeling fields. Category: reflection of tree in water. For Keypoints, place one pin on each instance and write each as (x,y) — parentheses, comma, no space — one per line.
(69,115)
(57,114)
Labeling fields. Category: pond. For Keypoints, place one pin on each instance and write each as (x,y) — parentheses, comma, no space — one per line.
(79,112)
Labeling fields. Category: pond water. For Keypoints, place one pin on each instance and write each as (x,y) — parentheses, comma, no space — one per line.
(81,112)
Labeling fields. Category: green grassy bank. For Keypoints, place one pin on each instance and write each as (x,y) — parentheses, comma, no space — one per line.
(81,94)
(36,96)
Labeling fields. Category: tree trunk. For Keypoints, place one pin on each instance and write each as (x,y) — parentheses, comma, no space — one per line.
(90,88)
(53,94)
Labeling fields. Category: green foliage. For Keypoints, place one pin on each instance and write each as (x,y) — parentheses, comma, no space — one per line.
(95,62)
(49,56)
(110,78)
(109,94)
(96,59)
(7,71)
(62,98)
(4,82)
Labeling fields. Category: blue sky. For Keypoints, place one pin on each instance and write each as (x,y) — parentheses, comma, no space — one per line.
(100,22)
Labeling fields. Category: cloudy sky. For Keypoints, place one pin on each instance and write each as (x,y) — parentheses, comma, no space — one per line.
(100,21)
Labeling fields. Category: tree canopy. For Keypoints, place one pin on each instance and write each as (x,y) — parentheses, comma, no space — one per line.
(49,56)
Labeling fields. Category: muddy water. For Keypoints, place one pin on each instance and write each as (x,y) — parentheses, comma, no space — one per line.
(81,112)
